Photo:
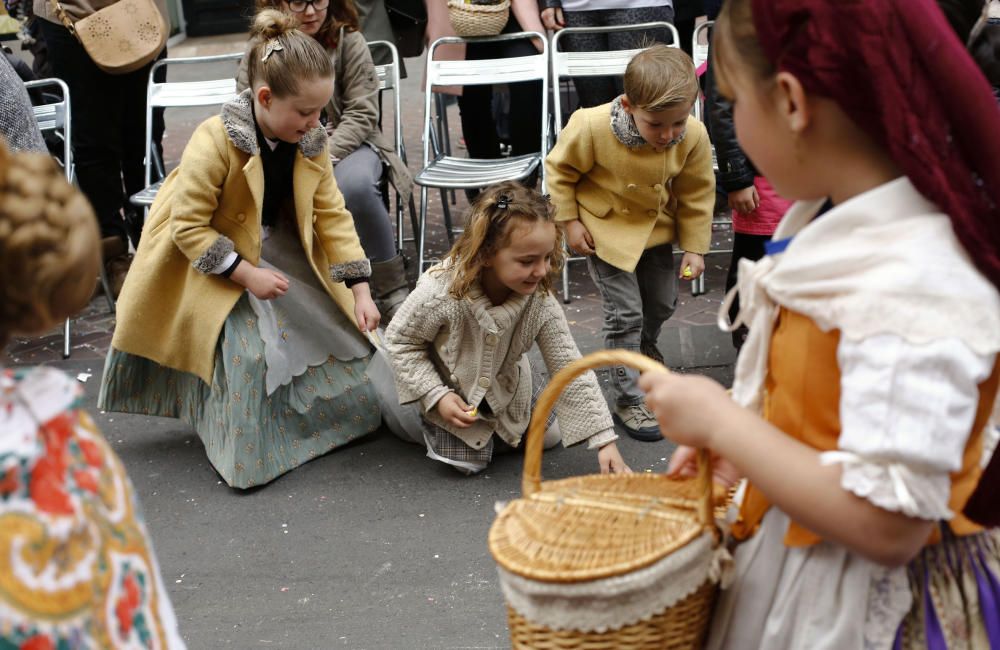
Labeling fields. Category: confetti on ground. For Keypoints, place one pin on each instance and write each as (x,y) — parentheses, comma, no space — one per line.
(284,589)
(83,377)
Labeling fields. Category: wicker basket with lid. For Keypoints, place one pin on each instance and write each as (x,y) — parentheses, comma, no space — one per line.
(623,561)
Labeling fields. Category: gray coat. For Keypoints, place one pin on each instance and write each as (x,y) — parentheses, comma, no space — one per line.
(353,109)
(17,121)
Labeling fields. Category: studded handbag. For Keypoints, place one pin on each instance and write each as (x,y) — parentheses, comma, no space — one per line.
(121,37)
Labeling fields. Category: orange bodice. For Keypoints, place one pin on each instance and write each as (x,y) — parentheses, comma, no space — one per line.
(802,398)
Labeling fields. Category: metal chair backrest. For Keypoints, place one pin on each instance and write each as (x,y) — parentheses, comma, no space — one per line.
(184,94)
(533,67)
(388,79)
(604,63)
(700,51)
(55,117)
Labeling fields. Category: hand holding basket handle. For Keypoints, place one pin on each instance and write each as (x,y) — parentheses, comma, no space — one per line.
(531,481)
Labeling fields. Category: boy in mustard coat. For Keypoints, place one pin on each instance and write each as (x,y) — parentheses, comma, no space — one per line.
(628,179)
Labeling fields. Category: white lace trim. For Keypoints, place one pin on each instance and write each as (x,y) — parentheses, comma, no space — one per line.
(894,486)
(612,603)
(862,269)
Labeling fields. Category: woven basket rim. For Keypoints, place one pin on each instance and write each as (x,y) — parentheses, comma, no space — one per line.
(550,537)
(687,528)
(478,8)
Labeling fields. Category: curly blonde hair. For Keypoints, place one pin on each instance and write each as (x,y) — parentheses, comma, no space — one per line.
(488,228)
(49,245)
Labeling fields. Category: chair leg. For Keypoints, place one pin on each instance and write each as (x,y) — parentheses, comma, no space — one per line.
(422,230)
(414,221)
(399,224)
(107,289)
(447,218)
(66,350)
(565,282)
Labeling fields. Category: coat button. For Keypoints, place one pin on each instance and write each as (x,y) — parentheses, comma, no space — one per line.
(484,382)
(491,339)
(631,186)
(652,213)
(241,217)
(658,187)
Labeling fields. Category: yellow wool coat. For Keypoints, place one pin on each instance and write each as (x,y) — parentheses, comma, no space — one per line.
(172,307)
(631,199)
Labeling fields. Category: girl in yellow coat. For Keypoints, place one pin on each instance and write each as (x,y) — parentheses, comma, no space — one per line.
(242,309)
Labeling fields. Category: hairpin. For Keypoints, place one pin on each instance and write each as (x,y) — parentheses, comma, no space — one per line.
(272,46)
(503,202)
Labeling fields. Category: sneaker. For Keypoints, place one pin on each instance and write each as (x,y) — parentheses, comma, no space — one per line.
(652,351)
(638,422)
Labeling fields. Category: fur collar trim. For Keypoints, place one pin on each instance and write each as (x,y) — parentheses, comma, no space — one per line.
(625,130)
(237,117)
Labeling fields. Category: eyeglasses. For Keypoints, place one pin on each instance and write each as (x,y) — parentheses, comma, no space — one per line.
(299,6)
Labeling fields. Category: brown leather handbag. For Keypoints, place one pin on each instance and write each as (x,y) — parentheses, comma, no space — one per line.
(121,37)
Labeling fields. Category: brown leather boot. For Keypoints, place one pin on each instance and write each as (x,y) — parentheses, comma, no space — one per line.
(389,286)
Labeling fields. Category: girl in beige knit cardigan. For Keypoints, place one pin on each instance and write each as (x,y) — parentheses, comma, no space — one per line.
(458,345)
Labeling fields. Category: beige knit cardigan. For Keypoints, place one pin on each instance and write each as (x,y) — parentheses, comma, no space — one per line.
(439,344)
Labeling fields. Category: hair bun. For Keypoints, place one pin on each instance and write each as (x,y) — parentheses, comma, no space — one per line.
(49,244)
(272,23)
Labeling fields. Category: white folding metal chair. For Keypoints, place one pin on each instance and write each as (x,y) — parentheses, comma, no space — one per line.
(700,42)
(566,65)
(179,94)
(388,80)
(55,117)
(699,49)
(448,172)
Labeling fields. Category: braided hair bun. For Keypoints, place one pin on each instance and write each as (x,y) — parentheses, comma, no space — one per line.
(49,245)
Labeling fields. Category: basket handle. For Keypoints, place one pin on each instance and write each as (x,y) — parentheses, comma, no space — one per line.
(531,481)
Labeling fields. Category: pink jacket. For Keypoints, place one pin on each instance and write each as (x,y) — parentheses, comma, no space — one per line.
(765,218)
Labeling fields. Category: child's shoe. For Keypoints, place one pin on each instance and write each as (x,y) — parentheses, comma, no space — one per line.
(638,422)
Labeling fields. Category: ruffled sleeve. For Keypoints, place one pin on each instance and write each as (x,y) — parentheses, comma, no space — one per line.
(906,413)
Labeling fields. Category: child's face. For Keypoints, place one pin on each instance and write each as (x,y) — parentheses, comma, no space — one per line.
(766,136)
(526,259)
(660,129)
(289,118)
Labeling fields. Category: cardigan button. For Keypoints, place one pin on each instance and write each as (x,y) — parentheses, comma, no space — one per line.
(631,186)
(651,213)
(658,187)
(241,217)
(626,211)
(315,218)
(491,339)
(484,382)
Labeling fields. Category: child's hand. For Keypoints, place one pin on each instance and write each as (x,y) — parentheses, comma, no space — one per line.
(744,201)
(578,237)
(263,283)
(691,409)
(455,411)
(692,266)
(365,311)
(684,464)
(611,460)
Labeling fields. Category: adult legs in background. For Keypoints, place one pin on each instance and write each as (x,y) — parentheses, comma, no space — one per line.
(105,111)
(358,177)
(749,247)
(475,105)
